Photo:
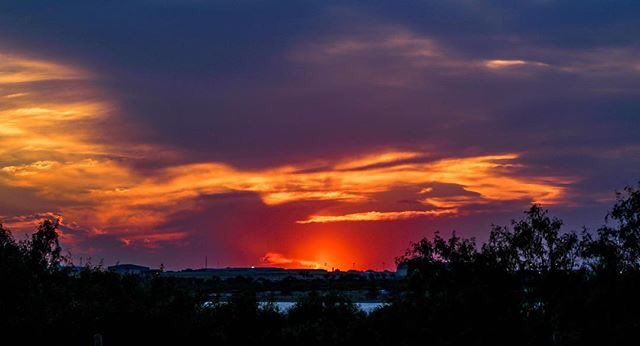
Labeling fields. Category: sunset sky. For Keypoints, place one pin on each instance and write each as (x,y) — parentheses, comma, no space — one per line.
(320,134)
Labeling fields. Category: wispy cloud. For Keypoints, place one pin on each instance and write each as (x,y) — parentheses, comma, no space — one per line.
(20,69)
(119,197)
(393,55)
(280,260)
(40,122)
(499,64)
(151,240)
(390,41)
(378,216)
(48,149)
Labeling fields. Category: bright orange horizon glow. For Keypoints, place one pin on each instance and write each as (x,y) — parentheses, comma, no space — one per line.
(327,251)
(280,260)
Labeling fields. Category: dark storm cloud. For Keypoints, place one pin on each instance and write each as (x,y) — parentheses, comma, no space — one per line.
(227,67)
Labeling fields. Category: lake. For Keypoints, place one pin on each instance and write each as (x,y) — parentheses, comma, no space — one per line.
(367,307)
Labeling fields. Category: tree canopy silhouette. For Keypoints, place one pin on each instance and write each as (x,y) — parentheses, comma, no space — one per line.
(530,283)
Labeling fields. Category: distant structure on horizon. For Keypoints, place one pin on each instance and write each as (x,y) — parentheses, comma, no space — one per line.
(130,269)
(274,273)
(263,273)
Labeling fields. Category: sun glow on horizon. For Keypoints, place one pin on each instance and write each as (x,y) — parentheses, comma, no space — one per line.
(328,250)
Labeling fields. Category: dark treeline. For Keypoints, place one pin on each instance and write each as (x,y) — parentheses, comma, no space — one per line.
(531,283)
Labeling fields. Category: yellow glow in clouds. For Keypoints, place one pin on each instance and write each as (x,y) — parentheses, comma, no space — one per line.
(47,149)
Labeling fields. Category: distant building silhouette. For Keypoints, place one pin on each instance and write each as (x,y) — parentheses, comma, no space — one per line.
(129,269)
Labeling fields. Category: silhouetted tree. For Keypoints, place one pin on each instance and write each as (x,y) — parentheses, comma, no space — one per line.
(525,286)
(5,236)
(323,319)
(533,243)
(616,248)
(440,251)
(44,248)
(9,250)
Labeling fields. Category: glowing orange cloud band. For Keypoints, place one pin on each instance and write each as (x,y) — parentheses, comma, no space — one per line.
(280,260)
(46,148)
(378,216)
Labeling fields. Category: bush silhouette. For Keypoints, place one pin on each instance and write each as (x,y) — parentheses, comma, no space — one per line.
(531,283)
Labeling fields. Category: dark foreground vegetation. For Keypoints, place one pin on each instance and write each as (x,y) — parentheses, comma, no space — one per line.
(529,284)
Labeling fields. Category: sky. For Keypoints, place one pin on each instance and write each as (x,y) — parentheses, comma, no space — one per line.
(315,134)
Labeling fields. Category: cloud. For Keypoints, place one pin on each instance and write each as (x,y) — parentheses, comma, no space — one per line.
(452,201)
(498,64)
(377,216)
(40,122)
(28,222)
(389,41)
(280,260)
(52,148)
(18,69)
(376,159)
(386,56)
(359,110)
(152,240)
(117,197)
(396,56)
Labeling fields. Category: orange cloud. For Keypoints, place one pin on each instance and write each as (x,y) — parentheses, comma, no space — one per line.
(42,123)
(498,64)
(378,216)
(122,197)
(280,260)
(28,222)
(451,201)
(47,148)
(48,144)
(19,69)
(488,176)
(375,159)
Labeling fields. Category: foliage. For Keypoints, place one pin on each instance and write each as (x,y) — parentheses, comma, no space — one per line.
(531,283)
(534,244)
(616,249)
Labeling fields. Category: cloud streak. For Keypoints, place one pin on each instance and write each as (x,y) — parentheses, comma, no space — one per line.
(280,260)
(378,216)
(108,183)
(499,64)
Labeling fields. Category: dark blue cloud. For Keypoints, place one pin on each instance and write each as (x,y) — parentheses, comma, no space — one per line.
(217,63)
